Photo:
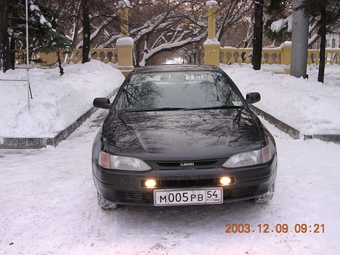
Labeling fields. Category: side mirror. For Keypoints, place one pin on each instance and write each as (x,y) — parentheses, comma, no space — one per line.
(102,102)
(253,97)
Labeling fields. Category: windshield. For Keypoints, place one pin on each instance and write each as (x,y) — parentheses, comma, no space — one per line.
(178,90)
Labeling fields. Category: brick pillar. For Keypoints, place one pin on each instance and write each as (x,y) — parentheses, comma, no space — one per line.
(124,43)
(286,56)
(211,45)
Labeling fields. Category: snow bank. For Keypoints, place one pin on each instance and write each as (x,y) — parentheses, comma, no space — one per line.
(57,100)
(306,105)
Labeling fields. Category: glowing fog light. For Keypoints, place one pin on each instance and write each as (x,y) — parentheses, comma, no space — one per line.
(150,183)
(225,180)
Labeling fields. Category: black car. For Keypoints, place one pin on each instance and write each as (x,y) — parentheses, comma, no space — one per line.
(181,135)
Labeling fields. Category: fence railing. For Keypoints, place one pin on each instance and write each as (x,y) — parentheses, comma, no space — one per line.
(280,55)
(105,55)
(228,55)
(332,56)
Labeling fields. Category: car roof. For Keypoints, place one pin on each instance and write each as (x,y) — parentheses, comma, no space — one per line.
(175,68)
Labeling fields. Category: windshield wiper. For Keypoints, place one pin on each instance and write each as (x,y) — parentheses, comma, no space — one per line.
(181,108)
(155,109)
(217,107)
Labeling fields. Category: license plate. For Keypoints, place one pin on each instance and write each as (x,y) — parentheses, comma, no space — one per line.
(168,197)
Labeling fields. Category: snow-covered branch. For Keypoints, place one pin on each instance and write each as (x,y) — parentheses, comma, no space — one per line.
(230,14)
(166,46)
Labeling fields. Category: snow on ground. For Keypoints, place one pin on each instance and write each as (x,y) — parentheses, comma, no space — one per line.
(57,100)
(49,206)
(306,105)
(48,200)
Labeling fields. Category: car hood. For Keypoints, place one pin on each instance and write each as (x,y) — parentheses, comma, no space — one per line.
(182,135)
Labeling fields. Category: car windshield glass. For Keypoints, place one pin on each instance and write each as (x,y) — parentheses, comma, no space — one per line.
(178,90)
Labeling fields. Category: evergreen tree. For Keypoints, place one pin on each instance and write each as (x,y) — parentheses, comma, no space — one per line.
(276,10)
(327,14)
(45,35)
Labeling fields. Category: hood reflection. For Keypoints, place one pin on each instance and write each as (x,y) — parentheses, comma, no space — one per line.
(181,134)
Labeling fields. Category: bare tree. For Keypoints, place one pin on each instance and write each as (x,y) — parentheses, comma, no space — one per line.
(327,15)
(231,13)
(86,31)
(3,31)
(180,24)
(102,18)
(157,27)
(176,25)
(258,31)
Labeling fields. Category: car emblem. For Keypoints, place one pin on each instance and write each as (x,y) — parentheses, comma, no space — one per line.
(187,164)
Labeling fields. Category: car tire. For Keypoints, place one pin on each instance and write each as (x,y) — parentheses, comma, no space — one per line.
(105,204)
(266,197)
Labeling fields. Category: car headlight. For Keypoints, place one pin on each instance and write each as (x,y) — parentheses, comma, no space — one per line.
(249,158)
(121,163)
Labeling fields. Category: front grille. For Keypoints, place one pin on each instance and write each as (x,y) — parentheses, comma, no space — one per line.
(189,164)
(239,192)
(134,197)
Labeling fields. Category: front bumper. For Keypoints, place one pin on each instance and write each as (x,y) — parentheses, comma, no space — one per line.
(123,187)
